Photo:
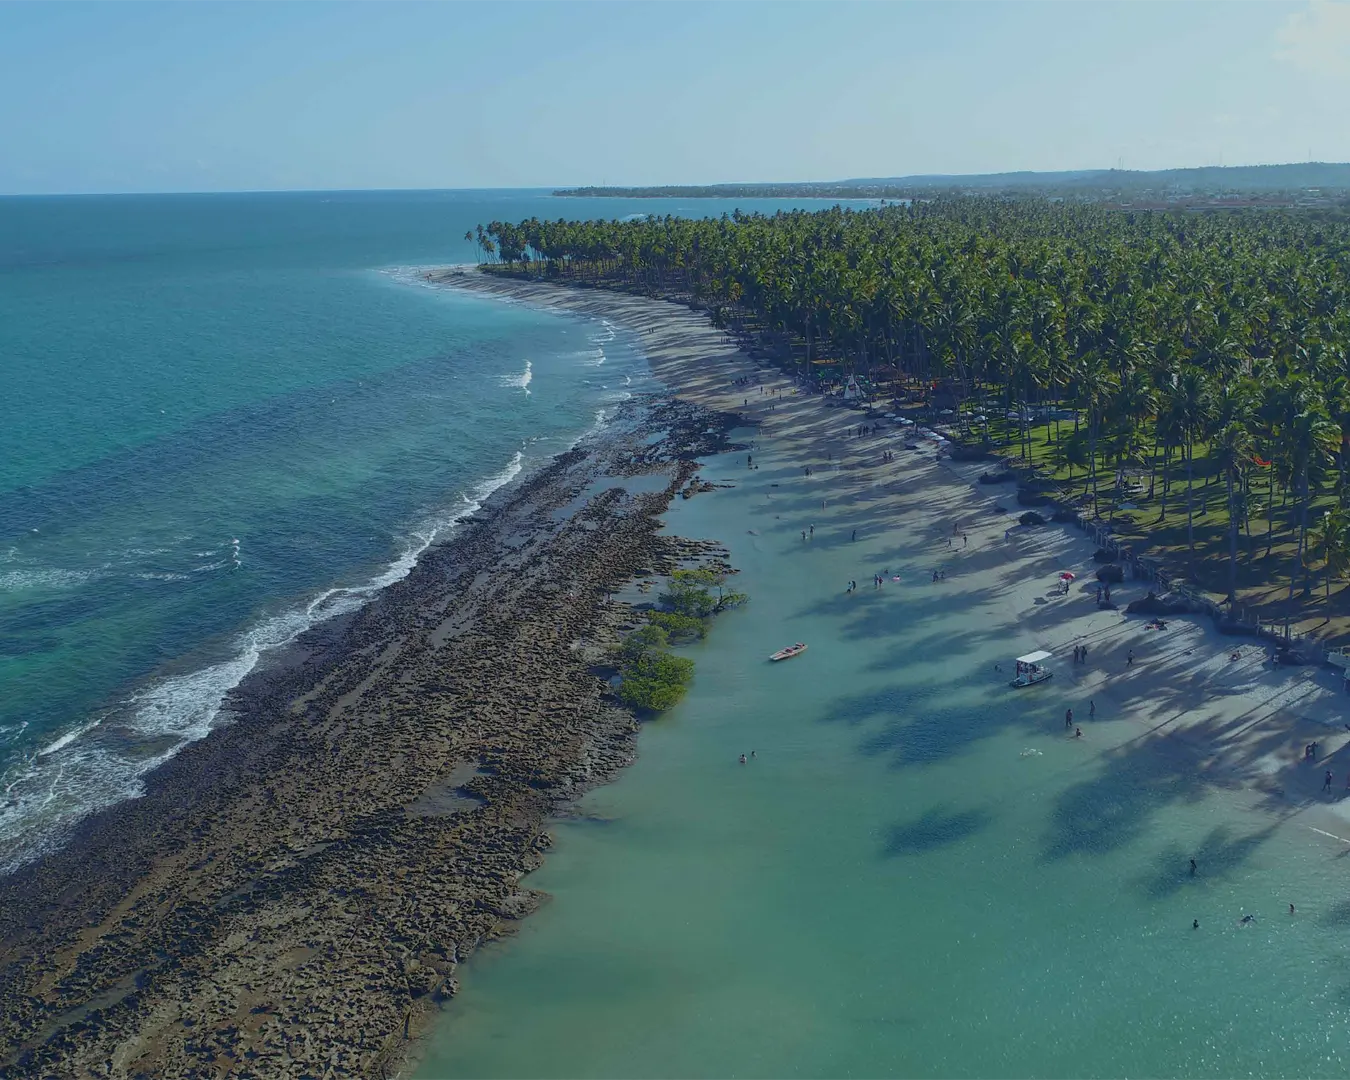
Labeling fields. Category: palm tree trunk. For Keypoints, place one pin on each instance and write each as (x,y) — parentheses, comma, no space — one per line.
(1232,540)
(1190,494)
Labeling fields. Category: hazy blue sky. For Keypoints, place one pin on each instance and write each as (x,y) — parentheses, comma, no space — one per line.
(127,97)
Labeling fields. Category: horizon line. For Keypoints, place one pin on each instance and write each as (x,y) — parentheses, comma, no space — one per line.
(707,184)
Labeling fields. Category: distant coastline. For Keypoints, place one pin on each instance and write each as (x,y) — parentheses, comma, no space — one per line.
(1326,178)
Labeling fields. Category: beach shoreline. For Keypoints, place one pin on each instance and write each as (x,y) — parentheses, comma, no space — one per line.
(808,426)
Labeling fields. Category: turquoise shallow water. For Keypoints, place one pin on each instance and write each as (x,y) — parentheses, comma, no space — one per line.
(183,372)
(890,888)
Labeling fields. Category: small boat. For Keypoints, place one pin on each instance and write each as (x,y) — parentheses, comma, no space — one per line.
(1030,670)
(789,652)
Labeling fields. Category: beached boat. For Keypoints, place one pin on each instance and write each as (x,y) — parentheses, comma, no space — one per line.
(1031,670)
(789,652)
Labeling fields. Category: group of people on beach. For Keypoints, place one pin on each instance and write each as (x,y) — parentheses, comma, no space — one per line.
(1068,719)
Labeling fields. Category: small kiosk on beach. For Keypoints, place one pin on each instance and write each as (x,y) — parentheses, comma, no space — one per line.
(1031,670)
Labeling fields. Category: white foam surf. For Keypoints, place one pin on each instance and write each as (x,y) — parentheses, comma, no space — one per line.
(522,380)
(104,760)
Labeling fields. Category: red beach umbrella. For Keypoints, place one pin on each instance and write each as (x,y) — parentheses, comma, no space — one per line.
(1066,575)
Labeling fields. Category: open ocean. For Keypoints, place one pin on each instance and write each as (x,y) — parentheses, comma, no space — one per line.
(226,417)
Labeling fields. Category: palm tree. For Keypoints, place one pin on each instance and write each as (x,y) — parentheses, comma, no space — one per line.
(1333,541)
(1191,406)
(1096,385)
(1233,447)
(1308,440)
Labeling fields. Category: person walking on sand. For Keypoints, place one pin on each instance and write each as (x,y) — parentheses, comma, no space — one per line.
(1068,718)
(1326,781)
(1129,659)
(1092,709)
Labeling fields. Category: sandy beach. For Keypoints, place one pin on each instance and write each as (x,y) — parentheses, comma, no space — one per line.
(1241,720)
(296,892)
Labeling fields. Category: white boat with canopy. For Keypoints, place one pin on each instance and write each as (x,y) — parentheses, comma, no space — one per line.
(1031,670)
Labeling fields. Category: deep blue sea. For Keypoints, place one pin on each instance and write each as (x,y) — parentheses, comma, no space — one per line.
(225,417)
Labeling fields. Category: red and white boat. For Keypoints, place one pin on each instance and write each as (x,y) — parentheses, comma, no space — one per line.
(789,652)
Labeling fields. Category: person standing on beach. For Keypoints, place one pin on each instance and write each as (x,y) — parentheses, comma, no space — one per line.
(1092,709)
(1068,718)
(1129,659)
(855,534)
(813,530)
(1326,781)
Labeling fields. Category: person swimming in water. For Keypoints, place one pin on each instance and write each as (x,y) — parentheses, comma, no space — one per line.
(1247,920)
(742,759)
(1195,924)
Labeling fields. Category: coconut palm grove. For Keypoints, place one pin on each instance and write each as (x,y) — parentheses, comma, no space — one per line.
(1182,375)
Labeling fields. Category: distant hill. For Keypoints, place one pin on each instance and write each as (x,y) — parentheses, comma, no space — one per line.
(1328,177)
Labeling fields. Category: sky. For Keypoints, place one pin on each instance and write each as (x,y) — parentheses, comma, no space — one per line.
(123,97)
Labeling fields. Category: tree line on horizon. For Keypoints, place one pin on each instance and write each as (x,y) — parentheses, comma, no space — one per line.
(1189,345)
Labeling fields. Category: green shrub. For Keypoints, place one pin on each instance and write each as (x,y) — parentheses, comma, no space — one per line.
(691,593)
(638,644)
(650,678)
(680,628)
(656,681)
